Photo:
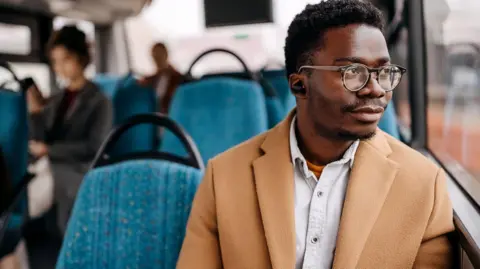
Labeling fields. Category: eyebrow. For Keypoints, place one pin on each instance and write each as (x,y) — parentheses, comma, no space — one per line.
(380,61)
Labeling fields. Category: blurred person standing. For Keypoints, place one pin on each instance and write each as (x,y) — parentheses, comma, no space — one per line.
(67,131)
(166,78)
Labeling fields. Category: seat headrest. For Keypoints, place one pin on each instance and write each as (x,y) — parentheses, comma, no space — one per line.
(218,113)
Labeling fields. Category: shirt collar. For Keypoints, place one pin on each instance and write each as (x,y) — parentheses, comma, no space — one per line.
(299,159)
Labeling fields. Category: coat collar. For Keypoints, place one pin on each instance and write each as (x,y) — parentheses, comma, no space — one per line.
(370,180)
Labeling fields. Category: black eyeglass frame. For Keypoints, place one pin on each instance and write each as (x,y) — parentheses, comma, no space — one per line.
(370,70)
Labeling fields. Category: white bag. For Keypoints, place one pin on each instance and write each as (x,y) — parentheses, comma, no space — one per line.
(40,189)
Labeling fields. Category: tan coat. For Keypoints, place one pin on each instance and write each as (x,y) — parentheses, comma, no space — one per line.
(396,212)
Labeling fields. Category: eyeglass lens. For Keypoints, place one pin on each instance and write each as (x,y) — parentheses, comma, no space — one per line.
(357,76)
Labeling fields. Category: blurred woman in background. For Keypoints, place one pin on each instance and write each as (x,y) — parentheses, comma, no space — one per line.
(66,132)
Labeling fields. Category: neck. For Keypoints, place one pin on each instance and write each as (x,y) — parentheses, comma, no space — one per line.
(77,84)
(318,149)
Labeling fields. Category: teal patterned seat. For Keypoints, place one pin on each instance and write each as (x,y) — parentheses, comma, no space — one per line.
(130,215)
(130,99)
(14,146)
(131,211)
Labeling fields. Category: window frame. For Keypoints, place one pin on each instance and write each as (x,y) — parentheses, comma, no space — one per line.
(466,216)
(417,64)
(39,32)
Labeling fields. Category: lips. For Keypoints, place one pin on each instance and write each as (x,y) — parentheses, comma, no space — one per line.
(369,109)
(368,113)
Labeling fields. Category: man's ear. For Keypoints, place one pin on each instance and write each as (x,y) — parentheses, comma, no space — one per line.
(297,85)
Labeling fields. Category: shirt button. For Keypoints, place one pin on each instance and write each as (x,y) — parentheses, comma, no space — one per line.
(314,240)
(320,193)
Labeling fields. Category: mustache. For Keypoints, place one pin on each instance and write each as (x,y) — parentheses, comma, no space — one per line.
(361,103)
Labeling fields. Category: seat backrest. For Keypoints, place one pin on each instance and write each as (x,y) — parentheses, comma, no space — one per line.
(130,215)
(130,99)
(388,122)
(108,84)
(218,113)
(14,138)
(279,81)
(6,187)
(275,109)
(133,99)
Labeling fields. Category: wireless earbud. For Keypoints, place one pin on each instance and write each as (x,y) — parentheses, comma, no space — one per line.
(298,88)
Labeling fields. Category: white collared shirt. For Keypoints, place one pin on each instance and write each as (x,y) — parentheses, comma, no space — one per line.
(318,206)
(161,87)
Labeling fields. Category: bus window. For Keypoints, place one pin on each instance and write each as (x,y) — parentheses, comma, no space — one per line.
(15,39)
(40,72)
(453,53)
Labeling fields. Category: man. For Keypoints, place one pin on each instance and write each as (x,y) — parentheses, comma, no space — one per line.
(325,188)
(165,80)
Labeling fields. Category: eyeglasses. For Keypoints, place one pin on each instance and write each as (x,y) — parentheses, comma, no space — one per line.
(356,76)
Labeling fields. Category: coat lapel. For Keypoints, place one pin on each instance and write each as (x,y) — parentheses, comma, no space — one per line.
(51,109)
(275,190)
(370,180)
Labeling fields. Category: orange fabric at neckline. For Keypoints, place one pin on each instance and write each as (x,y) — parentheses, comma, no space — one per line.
(316,169)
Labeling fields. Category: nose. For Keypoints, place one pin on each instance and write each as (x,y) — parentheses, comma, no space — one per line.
(372,89)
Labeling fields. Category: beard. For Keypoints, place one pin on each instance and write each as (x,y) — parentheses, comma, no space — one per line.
(350,136)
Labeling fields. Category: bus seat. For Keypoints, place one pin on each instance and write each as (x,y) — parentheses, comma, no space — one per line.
(133,99)
(130,215)
(14,145)
(129,99)
(388,122)
(218,113)
(107,83)
(279,81)
(14,134)
(131,211)
(11,222)
(276,111)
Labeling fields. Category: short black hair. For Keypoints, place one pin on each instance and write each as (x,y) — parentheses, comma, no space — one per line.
(74,40)
(307,28)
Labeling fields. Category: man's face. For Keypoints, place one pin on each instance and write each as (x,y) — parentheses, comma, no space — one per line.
(337,112)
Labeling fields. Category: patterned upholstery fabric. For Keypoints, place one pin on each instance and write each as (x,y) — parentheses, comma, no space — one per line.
(218,113)
(275,109)
(129,99)
(130,215)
